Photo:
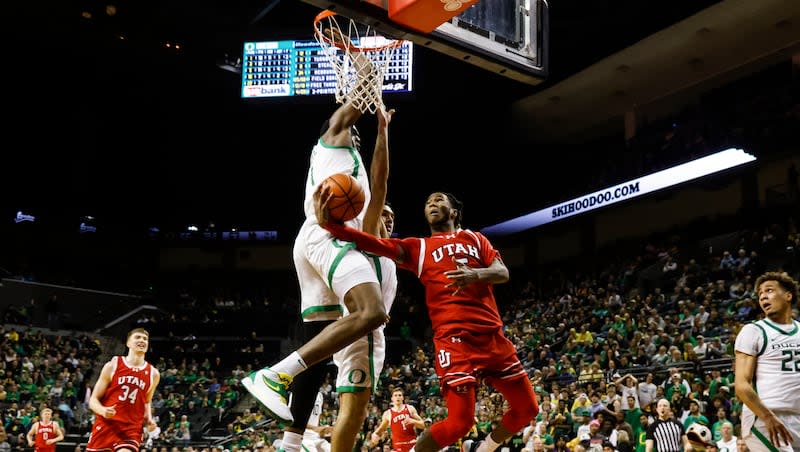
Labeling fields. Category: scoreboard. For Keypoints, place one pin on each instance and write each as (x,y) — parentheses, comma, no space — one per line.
(301,68)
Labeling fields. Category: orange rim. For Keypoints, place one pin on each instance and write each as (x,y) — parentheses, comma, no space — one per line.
(354,48)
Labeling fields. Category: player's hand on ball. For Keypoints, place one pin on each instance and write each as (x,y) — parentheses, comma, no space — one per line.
(321,198)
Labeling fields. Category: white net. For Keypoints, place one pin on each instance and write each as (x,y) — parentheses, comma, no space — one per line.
(359,58)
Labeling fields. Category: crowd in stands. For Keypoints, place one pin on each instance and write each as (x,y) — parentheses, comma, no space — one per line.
(600,348)
(40,369)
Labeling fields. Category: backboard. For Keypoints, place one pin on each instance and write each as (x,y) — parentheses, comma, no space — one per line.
(507,37)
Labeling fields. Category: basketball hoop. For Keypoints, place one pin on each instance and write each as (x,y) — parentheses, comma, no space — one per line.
(359,59)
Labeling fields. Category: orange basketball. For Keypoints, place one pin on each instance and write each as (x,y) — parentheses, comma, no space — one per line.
(347,197)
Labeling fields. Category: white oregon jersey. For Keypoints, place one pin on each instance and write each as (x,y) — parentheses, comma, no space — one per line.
(777,373)
(327,160)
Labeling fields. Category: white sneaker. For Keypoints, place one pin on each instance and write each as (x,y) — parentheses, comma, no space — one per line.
(271,389)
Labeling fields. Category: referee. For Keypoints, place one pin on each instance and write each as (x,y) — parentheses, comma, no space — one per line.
(665,434)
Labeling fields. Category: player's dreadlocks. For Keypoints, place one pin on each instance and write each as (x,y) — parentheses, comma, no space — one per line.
(458,206)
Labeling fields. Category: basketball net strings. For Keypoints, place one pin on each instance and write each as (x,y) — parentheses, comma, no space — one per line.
(360,73)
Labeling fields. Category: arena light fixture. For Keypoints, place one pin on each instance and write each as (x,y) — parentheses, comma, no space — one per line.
(660,180)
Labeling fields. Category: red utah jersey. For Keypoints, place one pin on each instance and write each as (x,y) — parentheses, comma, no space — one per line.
(43,433)
(128,391)
(403,436)
(430,257)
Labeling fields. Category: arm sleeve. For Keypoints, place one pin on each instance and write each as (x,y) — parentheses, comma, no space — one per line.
(390,247)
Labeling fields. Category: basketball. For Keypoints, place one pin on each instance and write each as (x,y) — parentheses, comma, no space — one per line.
(347,197)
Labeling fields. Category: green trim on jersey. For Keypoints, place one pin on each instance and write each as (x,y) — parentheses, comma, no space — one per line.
(376,261)
(325,308)
(371,355)
(776,328)
(341,389)
(761,437)
(344,248)
(353,154)
(764,335)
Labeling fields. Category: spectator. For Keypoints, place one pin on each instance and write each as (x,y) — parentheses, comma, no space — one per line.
(694,415)
(728,441)
(701,349)
(629,388)
(728,262)
(647,390)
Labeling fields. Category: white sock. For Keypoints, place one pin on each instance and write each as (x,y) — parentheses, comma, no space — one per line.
(488,444)
(291,441)
(292,365)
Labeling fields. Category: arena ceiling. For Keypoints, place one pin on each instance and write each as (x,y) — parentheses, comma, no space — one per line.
(120,108)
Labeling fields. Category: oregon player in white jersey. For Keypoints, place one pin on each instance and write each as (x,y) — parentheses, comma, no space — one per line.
(327,268)
(768,369)
(331,274)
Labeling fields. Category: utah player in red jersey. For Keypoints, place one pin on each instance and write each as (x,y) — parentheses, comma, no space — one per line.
(44,434)
(403,420)
(458,268)
(121,398)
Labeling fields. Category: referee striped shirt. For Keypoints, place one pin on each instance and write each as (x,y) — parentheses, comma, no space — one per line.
(666,435)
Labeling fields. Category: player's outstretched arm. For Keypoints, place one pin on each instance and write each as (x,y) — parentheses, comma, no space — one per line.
(379,175)
(389,247)
(346,115)
(376,435)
